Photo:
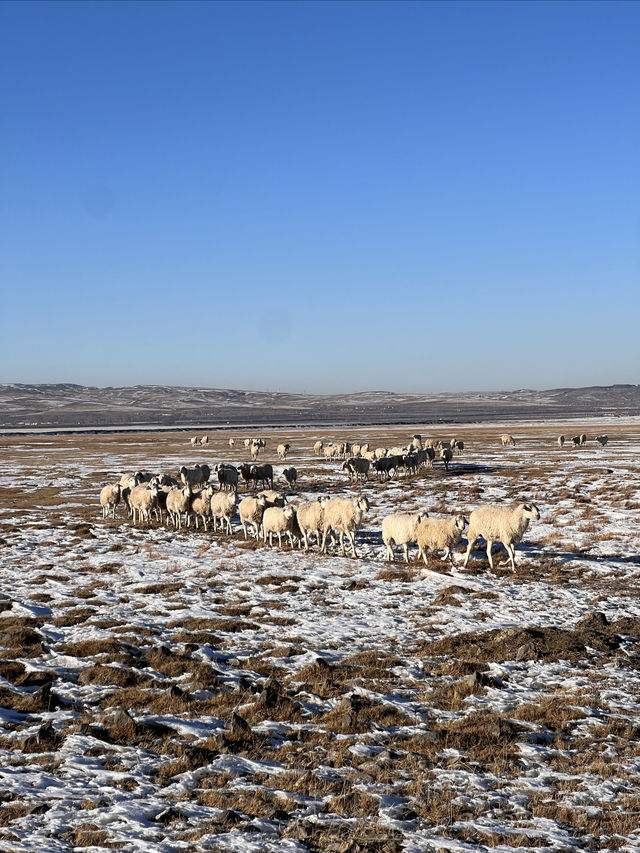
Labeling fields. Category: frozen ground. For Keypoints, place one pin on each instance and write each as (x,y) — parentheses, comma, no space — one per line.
(166,691)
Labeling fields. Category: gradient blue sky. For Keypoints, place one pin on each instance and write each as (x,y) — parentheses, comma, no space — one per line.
(322,197)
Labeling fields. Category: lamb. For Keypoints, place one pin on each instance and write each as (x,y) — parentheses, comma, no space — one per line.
(344,517)
(282,450)
(400,529)
(499,524)
(223,507)
(357,467)
(561,440)
(602,439)
(291,476)
(178,502)
(143,499)
(507,440)
(109,499)
(278,520)
(201,504)
(439,534)
(262,474)
(310,516)
(251,511)
(227,476)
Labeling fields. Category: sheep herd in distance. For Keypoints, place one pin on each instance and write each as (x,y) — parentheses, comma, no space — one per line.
(191,495)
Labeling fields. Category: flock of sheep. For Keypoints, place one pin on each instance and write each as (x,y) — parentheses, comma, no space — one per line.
(330,520)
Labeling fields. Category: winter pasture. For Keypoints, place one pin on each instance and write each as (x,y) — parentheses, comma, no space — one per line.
(191,691)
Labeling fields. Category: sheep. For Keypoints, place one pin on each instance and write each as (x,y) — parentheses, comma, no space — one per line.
(232,441)
(499,524)
(166,480)
(129,481)
(446,455)
(317,448)
(439,534)
(357,467)
(458,446)
(397,451)
(262,474)
(227,476)
(247,442)
(282,450)
(196,476)
(178,502)
(507,440)
(143,499)
(109,499)
(416,442)
(291,476)
(254,450)
(575,441)
(329,450)
(380,452)
(204,439)
(310,517)
(278,520)
(251,511)
(223,507)
(193,440)
(273,498)
(399,528)
(383,466)
(602,439)
(245,472)
(201,504)
(430,456)
(343,516)
(583,439)
(561,440)
(356,449)
(410,463)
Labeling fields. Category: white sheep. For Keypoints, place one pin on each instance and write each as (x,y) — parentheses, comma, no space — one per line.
(400,528)
(223,507)
(193,440)
(282,450)
(499,524)
(232,441)
(179,502)
(439,534)
(507,440)
(273,498)
(317,448)
(143,499)
(109,499)
(380,452)
(251,511)
(344,517)
(204,439)
(310,517)
(279,520)
(201,505)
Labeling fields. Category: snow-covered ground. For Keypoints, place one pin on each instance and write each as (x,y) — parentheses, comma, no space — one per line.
(165,691)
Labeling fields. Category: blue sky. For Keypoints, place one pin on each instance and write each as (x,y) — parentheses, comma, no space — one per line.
(322,197)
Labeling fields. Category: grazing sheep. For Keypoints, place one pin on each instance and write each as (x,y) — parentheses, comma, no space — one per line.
(178,502)
(344,517)
(143,499)
(223,507)
(251,511)
(439,534)
(109,499)
(254,450)
(201,504)
(282,450)
(317,448)
(561,440)
(262,474)
(400,529)
(357,467)
(278,520)
(310,517)
(204,439)
(227,476)
(273,497)
(291,476)
(499,524)
(507,440)
(602,439)
(446,455)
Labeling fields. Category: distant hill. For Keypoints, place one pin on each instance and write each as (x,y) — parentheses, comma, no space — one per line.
(66,405)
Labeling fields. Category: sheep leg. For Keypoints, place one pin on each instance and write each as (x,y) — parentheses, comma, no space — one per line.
(471,541)
(406,552)
(341,541)
(390,557)
(244,527)
(352,540)
(489,546)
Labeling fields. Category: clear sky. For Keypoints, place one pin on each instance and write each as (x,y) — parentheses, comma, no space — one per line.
(320,196)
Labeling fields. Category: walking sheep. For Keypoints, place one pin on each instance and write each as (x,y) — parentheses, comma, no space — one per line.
(498,524)
(357,467)
(227,476)
(223,507)
(446,455)
(291,476)
(251,511)
(439,534)
(201,505)
(262,474)
(109,499)
(282,450)
(400,529)
(279,520)
(143,499)
(310,516)
(179,502)
(344,517)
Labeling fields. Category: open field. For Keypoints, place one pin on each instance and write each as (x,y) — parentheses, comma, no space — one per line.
(183,691)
